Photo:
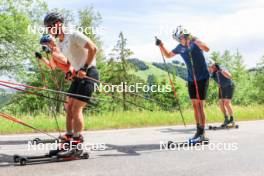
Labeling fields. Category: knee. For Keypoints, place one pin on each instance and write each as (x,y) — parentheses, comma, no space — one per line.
(75,109)
(226,102)
(195,103)
(68,108)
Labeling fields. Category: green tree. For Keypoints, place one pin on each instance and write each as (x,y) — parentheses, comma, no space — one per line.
(259,82)
(120,66)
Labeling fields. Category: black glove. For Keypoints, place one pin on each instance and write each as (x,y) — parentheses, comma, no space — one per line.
(46,49)
(38,55)
(158,42)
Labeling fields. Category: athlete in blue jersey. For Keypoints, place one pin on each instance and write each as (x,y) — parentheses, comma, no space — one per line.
(191,50)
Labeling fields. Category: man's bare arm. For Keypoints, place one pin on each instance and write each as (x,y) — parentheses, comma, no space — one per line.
(167,53)
(202,45)
(91,52)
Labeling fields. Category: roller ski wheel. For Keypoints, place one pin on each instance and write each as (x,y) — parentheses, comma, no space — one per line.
(210,127)
(169,144)
(85,155)
(23,161)
(16,158)
(36,141)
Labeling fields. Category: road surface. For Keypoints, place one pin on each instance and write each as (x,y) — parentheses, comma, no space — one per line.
(136,152)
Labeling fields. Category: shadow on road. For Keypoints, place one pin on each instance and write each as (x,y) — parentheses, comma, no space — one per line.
(172,130)
(15,142)
(122,150)
(6,160)
(131,150)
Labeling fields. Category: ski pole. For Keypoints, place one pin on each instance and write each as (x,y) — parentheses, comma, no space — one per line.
(173,87)
(18,121)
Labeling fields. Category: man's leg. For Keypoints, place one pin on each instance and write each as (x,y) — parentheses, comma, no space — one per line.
(196,111)
(77,114)
(222,107)
(229,108)
(202,113)
(69,118)
(69,121)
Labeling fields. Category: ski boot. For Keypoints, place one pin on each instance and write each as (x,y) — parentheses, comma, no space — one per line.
(199,137)
(66,137)
(202,140)
(231,120)
(72,149)
(226,122)
(63,145)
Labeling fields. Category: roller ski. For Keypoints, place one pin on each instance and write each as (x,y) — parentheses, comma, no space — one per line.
(67,151)
(201,140)
(52,156)
(198,139)
(228,124)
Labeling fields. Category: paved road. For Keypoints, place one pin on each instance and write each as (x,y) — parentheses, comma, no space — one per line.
(137,152)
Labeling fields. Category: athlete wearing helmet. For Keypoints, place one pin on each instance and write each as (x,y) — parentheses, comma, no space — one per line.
(49,46)
(226,89)
(191,50)
(80,52)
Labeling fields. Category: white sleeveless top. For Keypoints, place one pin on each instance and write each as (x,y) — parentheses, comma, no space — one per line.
(72,47)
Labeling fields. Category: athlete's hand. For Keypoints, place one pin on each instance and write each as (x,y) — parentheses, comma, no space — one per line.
(70,75)
(46,49)
(38,55)
(158,42)
(81,74)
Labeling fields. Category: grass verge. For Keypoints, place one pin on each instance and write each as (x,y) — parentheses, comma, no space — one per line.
(130,119)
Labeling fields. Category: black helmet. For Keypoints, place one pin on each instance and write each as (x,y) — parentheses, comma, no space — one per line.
(51,18)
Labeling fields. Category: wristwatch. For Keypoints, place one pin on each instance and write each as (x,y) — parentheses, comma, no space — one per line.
(84,68)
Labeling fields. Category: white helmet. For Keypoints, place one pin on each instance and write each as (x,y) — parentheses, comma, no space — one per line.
(179,32)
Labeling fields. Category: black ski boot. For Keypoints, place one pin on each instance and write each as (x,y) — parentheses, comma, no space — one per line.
(200,138)
(198,131)
(226,122)
(231,120)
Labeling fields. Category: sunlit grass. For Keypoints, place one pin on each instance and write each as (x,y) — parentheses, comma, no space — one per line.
(130,119)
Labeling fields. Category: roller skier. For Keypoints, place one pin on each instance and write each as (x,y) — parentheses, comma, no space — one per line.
(191,50)
(226,89)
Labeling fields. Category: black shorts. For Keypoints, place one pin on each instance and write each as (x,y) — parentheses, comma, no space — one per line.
(202,89)
(84,87)
(226,92)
